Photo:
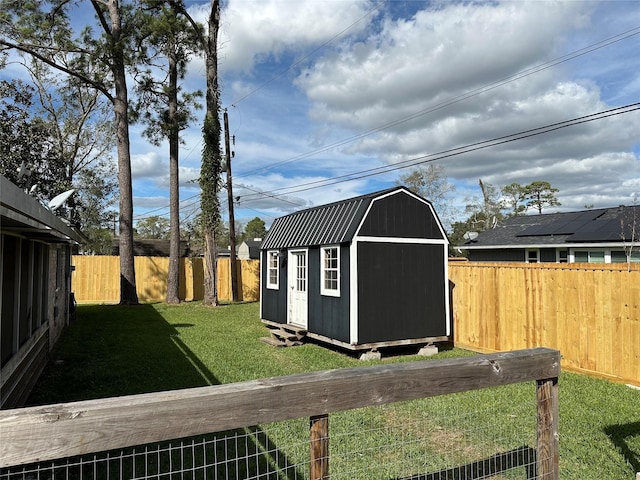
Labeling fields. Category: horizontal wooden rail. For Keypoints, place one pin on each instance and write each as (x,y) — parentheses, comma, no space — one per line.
(34,434)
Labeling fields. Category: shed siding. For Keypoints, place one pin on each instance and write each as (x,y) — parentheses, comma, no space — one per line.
(400,291)
(329,316)
(402,216)
(274,302)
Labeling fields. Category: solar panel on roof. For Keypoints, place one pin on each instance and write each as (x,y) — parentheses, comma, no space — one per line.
(567,224)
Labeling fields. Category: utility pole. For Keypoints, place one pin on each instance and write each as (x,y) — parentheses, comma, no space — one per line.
(232,221)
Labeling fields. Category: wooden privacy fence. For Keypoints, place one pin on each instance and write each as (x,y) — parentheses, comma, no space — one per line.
(96,279)
(590,312)
(38,434)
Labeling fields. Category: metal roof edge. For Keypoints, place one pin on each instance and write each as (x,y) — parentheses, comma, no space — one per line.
(21,207)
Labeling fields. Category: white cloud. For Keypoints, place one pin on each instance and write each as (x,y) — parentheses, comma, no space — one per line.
(259,30)
(149,164)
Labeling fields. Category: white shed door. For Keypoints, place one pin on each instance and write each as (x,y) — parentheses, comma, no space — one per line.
(297,281)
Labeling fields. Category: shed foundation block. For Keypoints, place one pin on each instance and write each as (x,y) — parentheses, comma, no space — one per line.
(428,350)
(372,355)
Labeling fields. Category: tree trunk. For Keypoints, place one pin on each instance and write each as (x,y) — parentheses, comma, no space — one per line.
(210,273)
(210,172)
(173,280)
(128,293)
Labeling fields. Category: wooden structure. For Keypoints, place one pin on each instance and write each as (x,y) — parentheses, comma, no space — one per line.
(38,434)
(96,279)
(363,273)
(35,282)
(603,235)
(590,312)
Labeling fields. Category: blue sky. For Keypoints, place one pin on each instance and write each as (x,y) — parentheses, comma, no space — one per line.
(303,81)
(309,85)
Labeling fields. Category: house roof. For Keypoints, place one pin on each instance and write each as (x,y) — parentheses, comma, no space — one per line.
(151,247)
(604,225)
(329,224)
(254,247)
(24,215)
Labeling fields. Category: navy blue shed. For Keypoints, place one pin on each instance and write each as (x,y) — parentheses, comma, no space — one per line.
(362,273)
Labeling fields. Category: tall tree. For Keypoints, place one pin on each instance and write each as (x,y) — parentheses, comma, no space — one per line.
(171,41)
(211,169)
(58,132)
(25,142)
(154,227)
(430,182)
(99,61)
(255,228)
(541,194)
(514,196)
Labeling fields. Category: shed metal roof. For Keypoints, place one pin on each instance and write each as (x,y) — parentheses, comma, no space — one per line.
(329,224)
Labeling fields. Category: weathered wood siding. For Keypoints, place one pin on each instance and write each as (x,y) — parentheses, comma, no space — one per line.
(96,279)
(590,312)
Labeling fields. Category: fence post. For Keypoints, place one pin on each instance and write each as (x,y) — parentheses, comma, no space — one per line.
(547,448)
(319,440)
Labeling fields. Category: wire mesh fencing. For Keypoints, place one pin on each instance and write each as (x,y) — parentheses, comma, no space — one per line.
(480,417)
(467,435)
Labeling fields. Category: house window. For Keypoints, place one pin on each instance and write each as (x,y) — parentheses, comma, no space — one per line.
(533,256)
(618,256)
(563,256)
(273,276)
(330,271)
(589,256)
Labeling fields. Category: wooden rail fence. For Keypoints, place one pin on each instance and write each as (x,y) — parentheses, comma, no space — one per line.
(38,434)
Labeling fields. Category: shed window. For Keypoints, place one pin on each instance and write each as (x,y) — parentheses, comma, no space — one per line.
(330,271)
(272,270)
(533,256)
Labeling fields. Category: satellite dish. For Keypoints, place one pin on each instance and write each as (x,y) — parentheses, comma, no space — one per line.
(58,200)
(470,235)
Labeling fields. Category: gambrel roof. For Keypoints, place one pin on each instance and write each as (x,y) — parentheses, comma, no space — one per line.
(330,224)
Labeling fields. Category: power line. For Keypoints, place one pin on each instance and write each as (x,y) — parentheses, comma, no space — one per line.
(464,96)
(268,196)
(432,157)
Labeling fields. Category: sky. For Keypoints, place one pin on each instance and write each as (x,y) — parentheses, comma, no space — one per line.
(333,99)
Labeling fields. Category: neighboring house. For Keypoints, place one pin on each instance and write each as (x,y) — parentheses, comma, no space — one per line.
(249,249)
(36,301)
(604,235)
(150,247)
(362,273)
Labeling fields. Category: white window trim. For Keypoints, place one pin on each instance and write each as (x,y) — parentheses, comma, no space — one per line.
(607,254)
(270,254)
(567,260)
(330,292)
(526,255)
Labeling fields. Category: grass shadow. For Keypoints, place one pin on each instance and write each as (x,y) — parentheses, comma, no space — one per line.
(621,435)
(521,457)
(115,350)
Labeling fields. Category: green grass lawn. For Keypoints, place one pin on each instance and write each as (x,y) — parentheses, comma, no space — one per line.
(120,350)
